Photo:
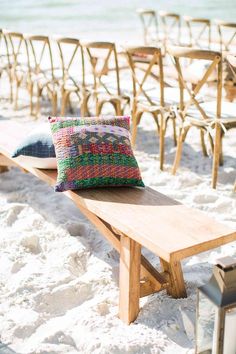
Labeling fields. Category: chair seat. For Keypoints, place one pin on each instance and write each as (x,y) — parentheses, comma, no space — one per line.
(126,88)
(103,96)
(171,96)
(44,81)
(71,85)
(228,114)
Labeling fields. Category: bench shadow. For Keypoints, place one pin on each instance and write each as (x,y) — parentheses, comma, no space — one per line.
(169,318)
(5,349)
(4,118)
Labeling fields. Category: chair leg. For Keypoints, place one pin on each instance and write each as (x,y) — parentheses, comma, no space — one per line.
(211,143)
(84,105)
(64,101)
(11,87)
(71,109)
(118,108)
(221,162)
(16,95)
(54,103)
(135,121)
(99,107)
(204,150)
(31,91)
(157,123)
(162,131)
(182,136)
(174,131)
(216,155)
(130,264)
(39,92)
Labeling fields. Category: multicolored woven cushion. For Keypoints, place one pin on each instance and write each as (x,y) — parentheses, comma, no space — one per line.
(94,152)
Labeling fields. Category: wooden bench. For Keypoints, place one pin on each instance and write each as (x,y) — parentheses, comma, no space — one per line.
(132,218)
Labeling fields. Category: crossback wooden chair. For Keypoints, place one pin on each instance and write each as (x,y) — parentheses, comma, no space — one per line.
(231,59)
(102,63)
(149,22)
(204,115)
(227,43)
(42,76)
(6,60)
(73,75)
(227,36)
(18,55)
(199,32)
(171,27)
(148,92)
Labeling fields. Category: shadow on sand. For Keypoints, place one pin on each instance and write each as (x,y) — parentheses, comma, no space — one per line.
(5,349)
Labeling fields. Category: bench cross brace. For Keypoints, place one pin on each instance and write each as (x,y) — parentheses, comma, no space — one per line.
(138,277)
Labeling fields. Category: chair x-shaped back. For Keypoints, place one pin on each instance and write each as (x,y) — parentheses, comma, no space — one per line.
(42,70)
(104,66)
(227,34)
(150,26)
(199,117)
(72,66)
(199,30)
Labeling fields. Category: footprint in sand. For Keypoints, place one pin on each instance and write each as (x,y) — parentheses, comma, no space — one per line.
(77,263)
(205,198)
(60,338)
(77,228)
(63,298)
(10,213)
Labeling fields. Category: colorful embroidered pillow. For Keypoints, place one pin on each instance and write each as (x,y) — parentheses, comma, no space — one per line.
(94,152)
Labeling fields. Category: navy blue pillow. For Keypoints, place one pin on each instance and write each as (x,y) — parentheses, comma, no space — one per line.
(37,144)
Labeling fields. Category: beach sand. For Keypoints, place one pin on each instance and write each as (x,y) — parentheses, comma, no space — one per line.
(59,277)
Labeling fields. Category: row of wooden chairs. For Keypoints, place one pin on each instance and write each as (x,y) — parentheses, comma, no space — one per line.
(162,28)
(145,87)
(189,107)
(61,67)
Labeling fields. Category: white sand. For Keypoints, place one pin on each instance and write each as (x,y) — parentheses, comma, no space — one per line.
(58,276)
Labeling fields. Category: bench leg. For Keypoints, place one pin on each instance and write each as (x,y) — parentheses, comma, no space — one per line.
(6,163)
(130,261)
(176,286)
(3,169)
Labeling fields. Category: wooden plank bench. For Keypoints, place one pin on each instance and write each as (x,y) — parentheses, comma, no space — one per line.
(131,218)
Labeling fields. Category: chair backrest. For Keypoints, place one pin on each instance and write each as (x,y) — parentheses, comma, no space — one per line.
(72,59)
(150,26)
(102,62)
(147,74)
(227,35)
(191,98)
(171,26)
(6,59)
(199,32)
(40,55)
(231,61)
(17,52)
